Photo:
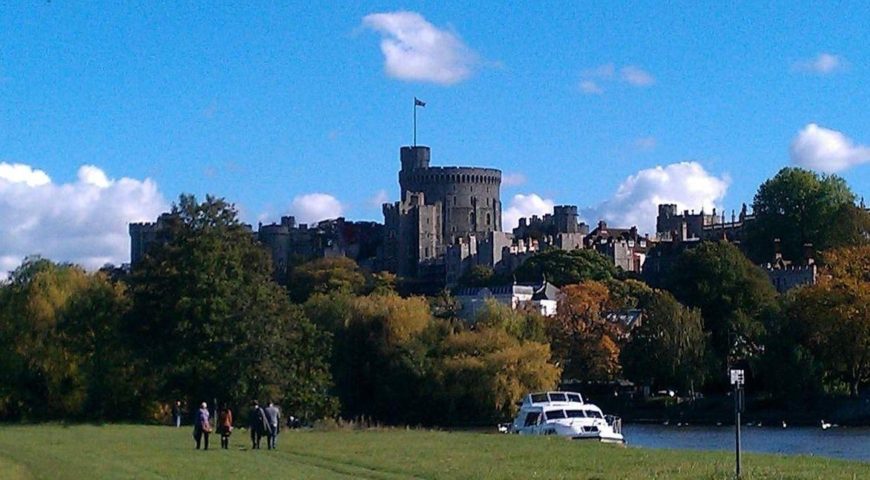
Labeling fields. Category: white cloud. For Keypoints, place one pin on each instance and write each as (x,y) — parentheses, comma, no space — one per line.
(823,64)
(313,207)
(636,76)
(84,222)
(513,179)
(415,50)
(593,80)
(20,173)
(91,175)
(590,87)
(636,201)
(525,206)
(826,150)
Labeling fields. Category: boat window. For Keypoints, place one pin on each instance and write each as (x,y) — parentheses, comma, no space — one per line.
(539,397)
(557,397)
(554,414)
(573,397)
(532,419)
(593,414)
(575,413)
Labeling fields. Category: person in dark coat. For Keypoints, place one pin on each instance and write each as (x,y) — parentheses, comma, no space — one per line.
(257,424)
(202,426)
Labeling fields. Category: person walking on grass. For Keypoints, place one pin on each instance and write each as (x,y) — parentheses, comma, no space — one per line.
(225,426)
(202,426)
(176,413)
(257,424)
(273,415)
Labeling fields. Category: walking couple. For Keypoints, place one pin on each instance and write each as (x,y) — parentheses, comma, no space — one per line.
(264,422)
(202,426)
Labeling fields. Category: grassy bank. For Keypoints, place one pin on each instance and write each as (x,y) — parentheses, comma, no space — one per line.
(131,451)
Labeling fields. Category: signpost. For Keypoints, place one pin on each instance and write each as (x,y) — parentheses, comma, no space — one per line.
(737,382)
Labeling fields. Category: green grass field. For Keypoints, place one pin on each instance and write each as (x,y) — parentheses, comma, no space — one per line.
(143,452)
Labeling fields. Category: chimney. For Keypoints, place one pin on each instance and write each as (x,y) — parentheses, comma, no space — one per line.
(777,250)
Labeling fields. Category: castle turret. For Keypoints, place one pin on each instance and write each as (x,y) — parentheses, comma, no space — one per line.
(415,157)
(453,203)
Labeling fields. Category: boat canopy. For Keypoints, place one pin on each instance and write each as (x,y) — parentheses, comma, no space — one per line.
(542,398)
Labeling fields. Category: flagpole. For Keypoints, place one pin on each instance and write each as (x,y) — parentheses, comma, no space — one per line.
(415,121)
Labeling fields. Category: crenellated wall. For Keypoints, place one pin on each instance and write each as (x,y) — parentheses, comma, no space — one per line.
(470,197)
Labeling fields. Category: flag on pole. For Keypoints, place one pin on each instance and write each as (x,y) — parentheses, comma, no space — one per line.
(419,103)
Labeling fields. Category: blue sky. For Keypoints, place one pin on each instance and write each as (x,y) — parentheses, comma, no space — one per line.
(109,110)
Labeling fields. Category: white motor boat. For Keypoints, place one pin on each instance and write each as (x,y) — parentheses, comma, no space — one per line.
(565,414)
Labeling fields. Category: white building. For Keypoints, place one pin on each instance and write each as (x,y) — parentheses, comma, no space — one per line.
(540,298)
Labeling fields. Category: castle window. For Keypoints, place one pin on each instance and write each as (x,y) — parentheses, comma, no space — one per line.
(488,220)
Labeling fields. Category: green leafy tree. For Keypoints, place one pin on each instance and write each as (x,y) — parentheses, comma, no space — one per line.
(445,306)
(62,355)
(324,275)
(209,321)
(667,349)
(379,360)
(522,324)
(395,362)
(562,267)
(850,226)
(733,295)
(482,374)
(629,293)
(833,318)
(797,207)
(382,282)
(848,264)
(480,276)
(789,370)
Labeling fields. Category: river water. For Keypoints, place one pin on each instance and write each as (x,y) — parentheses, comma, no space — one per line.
(840,442)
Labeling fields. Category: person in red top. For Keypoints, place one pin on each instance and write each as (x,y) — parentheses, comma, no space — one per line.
(225,425)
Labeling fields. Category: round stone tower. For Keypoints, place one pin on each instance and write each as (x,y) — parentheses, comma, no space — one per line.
(470,197)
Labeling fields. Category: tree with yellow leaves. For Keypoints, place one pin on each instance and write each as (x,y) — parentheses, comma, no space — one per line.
(583,340)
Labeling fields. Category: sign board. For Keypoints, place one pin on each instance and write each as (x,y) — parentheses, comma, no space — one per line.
(736,377)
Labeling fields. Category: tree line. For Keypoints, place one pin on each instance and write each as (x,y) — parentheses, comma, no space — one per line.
(202,318)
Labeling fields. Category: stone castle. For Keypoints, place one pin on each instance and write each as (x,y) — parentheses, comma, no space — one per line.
(449,220)
(439,206)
